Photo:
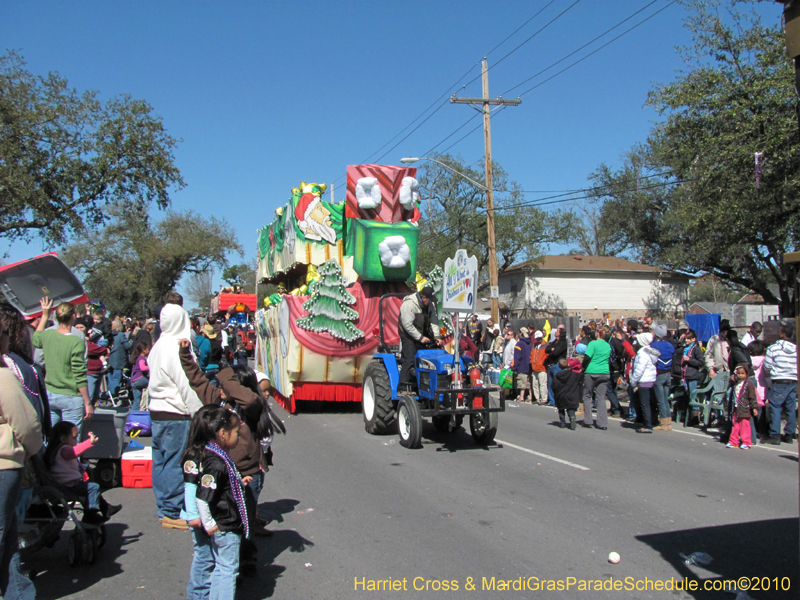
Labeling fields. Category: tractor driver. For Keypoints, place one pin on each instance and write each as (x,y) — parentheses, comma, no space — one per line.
(415,327)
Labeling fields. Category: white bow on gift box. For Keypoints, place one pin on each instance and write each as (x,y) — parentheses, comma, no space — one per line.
(394,252)
(368,192)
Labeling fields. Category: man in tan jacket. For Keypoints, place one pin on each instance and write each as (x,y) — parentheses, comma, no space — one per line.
(717,351)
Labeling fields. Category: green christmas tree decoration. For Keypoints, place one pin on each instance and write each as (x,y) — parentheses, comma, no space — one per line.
(327,306)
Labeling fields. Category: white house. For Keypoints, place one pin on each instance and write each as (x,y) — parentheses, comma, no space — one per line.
(591,287)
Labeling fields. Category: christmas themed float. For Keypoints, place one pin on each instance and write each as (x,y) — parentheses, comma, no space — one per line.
(332,262)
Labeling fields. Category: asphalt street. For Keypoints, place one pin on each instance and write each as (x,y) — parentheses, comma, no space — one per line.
(541,504)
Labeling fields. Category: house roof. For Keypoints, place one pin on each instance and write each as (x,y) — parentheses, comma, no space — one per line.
(564,262)
(714,307)
(751,299)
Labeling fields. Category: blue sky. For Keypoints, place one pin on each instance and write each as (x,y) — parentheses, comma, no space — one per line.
(267,94)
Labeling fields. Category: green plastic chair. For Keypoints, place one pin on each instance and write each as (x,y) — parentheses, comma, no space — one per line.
(678,400)
(708,399)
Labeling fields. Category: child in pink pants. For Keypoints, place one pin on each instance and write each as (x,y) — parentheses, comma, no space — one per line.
(745,403)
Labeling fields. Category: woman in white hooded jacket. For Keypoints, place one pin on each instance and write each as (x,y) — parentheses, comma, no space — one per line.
(173,403)
(643,378)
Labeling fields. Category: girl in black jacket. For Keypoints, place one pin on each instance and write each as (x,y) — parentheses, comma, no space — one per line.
(692,363)
(221,498)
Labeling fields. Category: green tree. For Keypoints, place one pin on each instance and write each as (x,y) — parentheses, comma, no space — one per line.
(690,199)
(65,156)
(454,216)
(240,275)
(131,264)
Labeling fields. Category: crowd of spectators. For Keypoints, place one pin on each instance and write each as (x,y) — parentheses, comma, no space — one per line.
(57,368)
(650,363)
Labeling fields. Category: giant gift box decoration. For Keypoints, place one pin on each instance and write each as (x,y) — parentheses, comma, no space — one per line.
(387,251)
(382,193)
(335,261)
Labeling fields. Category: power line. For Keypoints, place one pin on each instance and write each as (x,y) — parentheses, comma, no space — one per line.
(444,95)
(460,127)
(518,28)
(521,83)
(541,29)
(466,84)
(594,188)
(469,133)
(536,203)
(607,31)
(559,61)
(463,86)
(597,50)
(422,123)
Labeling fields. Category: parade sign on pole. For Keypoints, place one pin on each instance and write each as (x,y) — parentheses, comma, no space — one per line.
(460,283)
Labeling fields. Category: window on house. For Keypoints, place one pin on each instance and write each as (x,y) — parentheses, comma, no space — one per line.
(514,285)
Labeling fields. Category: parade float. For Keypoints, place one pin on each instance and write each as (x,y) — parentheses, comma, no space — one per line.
(332,262)
(235,303)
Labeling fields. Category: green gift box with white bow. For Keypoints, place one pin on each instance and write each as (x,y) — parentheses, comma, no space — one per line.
(383,251)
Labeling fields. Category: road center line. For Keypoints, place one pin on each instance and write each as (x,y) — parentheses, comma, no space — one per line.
(542,455)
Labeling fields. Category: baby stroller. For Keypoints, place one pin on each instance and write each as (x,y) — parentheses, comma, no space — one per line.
(54,505)
(123,396)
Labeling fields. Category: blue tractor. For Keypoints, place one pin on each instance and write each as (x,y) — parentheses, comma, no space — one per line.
(386,402)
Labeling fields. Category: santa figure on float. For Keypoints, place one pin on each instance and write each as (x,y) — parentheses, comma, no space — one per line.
(313,219)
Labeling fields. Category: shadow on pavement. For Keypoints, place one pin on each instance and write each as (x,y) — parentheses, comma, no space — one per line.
(274,511)
(52,575)
(454,441)
(763,549)
(269,549)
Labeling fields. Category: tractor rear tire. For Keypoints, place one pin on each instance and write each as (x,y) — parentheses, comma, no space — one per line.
(409,422)
(376,399)
(483,426)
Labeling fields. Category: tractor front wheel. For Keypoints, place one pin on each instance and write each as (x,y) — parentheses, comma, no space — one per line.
(409,422)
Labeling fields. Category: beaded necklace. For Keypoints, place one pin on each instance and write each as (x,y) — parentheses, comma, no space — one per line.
(235,479)
(11,364)
(740,394)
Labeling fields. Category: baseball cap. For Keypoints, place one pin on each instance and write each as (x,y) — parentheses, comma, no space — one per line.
(538,334)
(525,331)
(427,291)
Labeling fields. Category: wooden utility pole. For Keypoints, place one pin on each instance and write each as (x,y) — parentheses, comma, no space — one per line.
(483,104)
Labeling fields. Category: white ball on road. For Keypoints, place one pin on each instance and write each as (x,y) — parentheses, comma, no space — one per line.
(613,557)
